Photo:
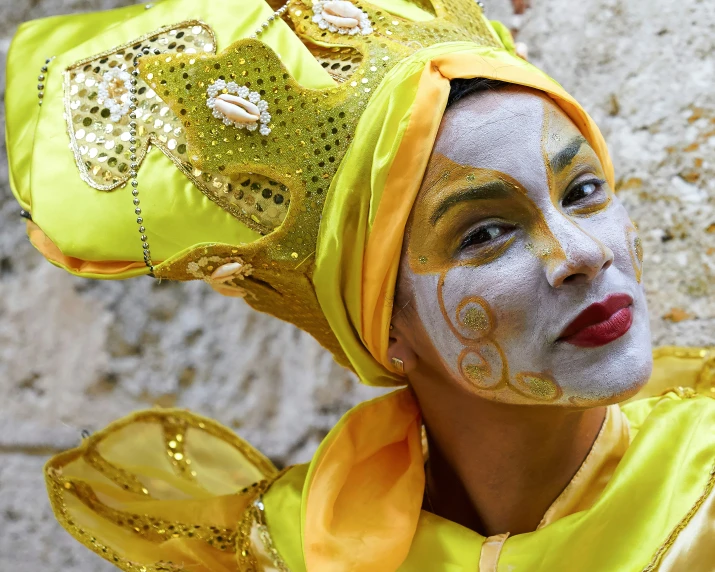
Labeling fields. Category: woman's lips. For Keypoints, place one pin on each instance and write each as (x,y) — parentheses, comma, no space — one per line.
(600,323)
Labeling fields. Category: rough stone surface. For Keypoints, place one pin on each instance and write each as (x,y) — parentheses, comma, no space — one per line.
(75,354)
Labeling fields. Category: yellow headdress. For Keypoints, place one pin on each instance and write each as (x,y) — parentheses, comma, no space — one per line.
(302,209)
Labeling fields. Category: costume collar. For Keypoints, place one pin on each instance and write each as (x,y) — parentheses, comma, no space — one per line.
(363,495)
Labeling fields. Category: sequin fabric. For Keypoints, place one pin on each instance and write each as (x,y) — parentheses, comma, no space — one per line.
(97,98)
(311,131)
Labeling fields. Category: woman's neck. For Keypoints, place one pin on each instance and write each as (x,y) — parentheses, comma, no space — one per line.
(497,468)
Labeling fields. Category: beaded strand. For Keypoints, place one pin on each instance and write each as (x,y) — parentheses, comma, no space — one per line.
(134,166)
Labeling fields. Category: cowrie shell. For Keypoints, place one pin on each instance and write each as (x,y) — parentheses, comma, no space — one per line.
(237,109)
(342,14)
(226,271)
(238,106)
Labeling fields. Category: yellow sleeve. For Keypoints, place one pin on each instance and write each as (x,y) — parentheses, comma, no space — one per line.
(160,490)
(675,367)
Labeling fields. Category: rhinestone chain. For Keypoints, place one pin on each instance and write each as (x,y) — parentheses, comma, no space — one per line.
(277,14)
(133,158)
(41,80)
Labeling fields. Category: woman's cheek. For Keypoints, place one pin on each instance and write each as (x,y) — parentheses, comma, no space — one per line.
(475,316)
(616,230)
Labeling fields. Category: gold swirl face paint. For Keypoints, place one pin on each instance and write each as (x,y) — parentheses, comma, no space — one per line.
(516,240)
(635,248)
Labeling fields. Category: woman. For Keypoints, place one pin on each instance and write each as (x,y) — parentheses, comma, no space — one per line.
(439,214)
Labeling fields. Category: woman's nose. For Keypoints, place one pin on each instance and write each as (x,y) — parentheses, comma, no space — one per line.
(584,258)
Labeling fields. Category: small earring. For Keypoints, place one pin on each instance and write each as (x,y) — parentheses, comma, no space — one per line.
(399,364)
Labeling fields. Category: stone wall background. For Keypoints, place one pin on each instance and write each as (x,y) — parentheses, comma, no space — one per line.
(75,354)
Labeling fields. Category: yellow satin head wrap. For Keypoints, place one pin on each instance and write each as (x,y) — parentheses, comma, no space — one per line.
(330,267)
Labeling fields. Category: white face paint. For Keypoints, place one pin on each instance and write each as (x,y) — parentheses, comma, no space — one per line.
(514,234)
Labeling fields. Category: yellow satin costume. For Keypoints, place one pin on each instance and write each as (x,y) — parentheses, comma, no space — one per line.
(353,121)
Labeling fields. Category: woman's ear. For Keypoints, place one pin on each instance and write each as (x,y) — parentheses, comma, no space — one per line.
(400,352)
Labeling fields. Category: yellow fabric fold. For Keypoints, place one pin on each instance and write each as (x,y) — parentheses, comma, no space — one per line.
(371,196)
(363,493)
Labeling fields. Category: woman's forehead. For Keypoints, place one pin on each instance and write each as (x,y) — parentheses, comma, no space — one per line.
(505,130)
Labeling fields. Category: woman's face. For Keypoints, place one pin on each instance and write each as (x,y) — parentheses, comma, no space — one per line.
(521,269)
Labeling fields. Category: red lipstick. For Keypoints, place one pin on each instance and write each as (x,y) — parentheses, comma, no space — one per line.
(600,323)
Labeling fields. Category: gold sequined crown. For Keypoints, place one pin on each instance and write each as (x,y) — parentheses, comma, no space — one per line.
(274,177)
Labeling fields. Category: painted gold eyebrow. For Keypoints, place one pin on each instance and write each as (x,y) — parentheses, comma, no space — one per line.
(563,158)
(496,189)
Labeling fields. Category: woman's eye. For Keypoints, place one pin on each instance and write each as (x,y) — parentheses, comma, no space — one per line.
(580,192)
(483,235)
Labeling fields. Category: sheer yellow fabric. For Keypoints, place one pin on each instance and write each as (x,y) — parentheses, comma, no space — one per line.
(643,499)
(159,490)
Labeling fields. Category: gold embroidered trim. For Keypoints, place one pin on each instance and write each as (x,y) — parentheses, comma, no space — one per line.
(652,566)
(142,150)
(680,391)
(56,491)
(705,379)
(254,519)
(120,477)
(174,442)
(152,528)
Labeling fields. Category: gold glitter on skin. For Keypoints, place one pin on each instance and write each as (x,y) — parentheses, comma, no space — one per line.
(562,170)
(476,319)
(537,386)
(635,249)
(447,192)
(444,182)
(483,365)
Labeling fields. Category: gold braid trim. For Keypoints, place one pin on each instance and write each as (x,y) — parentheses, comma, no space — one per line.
(652,566)
(56,489)
(255,550)
(152,528)
(117,475)
(683,393)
